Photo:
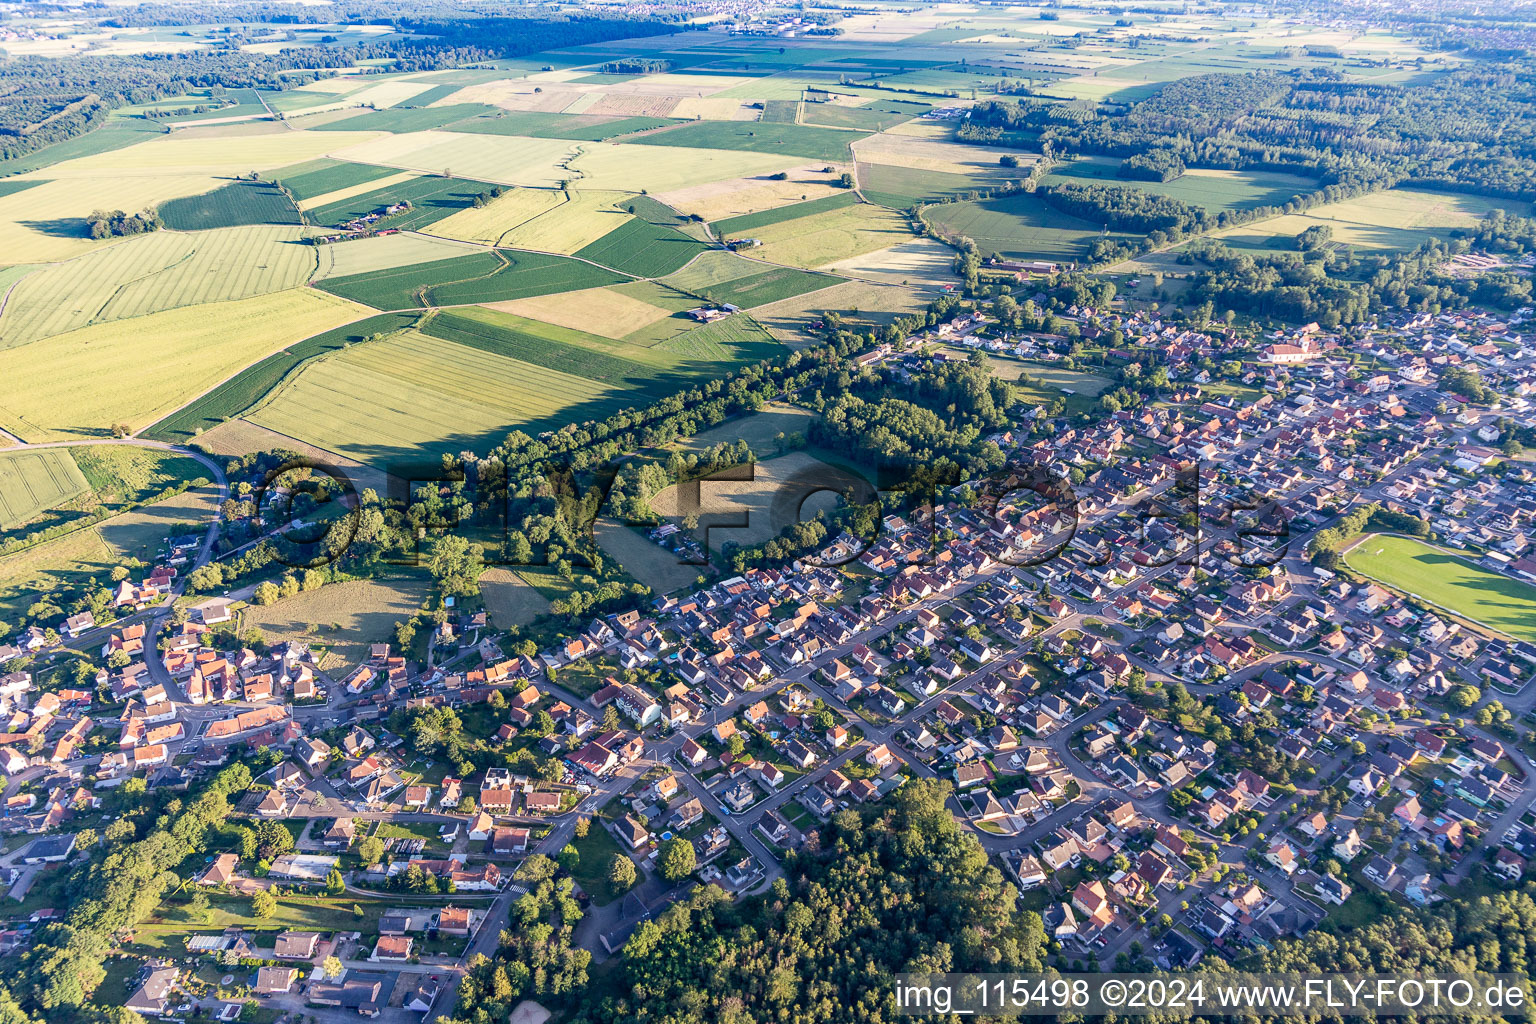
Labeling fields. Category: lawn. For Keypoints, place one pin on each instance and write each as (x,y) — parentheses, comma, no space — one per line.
(1450,581)
(1021,225)
(757,137)
(483,277)
(240,202)
(597,851)
(432,198)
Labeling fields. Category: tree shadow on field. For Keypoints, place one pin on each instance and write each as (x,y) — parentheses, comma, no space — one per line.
(59,227)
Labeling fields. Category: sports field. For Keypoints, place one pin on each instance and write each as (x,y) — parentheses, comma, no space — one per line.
(154,272)
(34,481)
(84,382)
(1500,602)
(483,277)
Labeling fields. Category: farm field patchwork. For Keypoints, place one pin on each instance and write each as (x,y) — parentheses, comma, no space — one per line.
(740,197)
(1449,580)
(757,137)
(385,252)
(738,226)
(661,169)
(48,222)
(504,159)
(319,177)
(614,312)
(137,372)
(641,248)
(921,154)
(249,386)
(431,197)
(917,261)
(578,219)
(411,396)
(496,276)
(829,237)
(902,187)
(401,120)
(573,127)
(155,272)
(241,202)
(222,155)
(492,223)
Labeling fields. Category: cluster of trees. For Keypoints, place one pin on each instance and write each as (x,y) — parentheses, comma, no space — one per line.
(1153,165)
(535,958)
(636,66)
(116,890)
(1126,209)
(1326,547)
(1472,129)
(898,887)
(101,224)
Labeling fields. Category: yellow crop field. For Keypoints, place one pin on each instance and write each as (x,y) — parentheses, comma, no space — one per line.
(831,237)
(412,394)
(505,159)
(603,311)
(917,261)
(315,202)
(155,272)
(926,154)
(734,197)
(235,154)
(666,168)
(1389,219)
(384,252)
(490,222)
(79,384)
(581,220)
(47,222)
(387,94)
(715,108)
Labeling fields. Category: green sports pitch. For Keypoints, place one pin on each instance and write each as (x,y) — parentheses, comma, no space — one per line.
(1450,581)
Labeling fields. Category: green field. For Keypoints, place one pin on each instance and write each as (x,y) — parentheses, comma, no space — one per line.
(901,187)
(111,136)
(1215,190)
(757,137)
(10,186)
(244,390)
(340,620)
(240,202)
(772,285)
(562,349)
(1442,578)
(736,227)
(318,177)
(32,482)
(431,197)
(536,124)
(643,249)
(872,117)
(1019,225)
(406,119)
(736,339)
(484,277)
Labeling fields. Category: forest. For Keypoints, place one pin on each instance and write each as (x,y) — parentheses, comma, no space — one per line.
(1472,129)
